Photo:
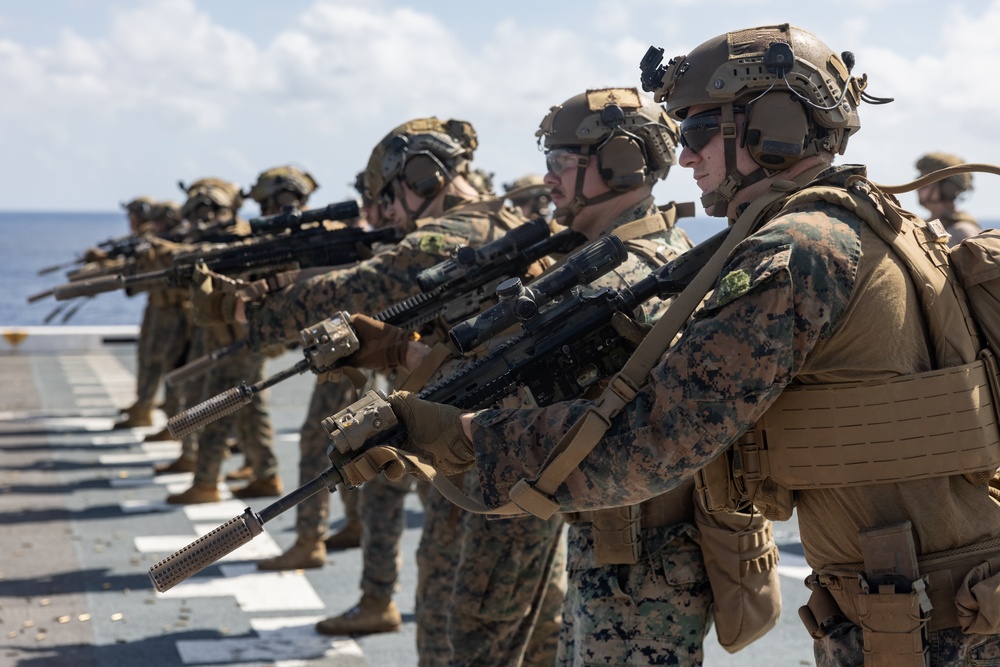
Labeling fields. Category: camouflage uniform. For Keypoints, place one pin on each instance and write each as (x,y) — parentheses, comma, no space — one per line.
(655,611)
(812,296)
(371,286)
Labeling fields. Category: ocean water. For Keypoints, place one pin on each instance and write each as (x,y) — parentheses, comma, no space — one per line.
(32,241)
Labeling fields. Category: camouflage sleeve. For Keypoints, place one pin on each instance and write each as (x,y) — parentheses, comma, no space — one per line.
(783,290)
(366,287)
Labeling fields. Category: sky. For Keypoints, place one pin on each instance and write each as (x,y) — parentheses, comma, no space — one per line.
(103,101)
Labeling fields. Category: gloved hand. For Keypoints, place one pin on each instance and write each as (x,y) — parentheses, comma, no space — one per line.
(383,346)
(629,329)
(213,297)
(435,433)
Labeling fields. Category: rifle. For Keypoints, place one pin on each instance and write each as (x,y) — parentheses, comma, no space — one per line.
(293,218)
(330,341)
(453,289)
(562,351)
(122,246)
(312,247)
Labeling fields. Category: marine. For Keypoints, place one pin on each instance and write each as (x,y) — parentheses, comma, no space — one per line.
(815,299)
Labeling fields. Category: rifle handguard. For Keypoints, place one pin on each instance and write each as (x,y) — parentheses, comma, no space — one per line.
(209,411)
(206,550)
(88,287)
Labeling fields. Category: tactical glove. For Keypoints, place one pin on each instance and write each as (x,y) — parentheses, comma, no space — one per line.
(435,433)
(383,346)
(213,297)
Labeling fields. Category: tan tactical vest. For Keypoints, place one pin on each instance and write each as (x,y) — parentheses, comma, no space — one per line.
(939,423)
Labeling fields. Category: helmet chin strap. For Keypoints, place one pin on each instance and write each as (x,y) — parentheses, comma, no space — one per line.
(734,181)
(568,212)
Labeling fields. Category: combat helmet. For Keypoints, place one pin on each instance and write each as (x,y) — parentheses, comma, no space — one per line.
(632,138)
(798,98)
(481,180)
(211,199)
(282,186)
(530,193)
(952,186)
(165,215)
(426,154)
(140,207)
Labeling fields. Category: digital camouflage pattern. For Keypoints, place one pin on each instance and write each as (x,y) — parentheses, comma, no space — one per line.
(373,284)
(505,566)
(505,569)
(817,297)
(477,579)
(655,612)
(438,555)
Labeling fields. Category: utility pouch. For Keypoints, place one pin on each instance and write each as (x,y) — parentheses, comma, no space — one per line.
(715,487)
(821,611)
(741,562)
(616,535)
(727,485)
(893,607)
(978,599)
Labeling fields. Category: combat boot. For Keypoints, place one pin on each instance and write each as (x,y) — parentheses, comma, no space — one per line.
(348,537)
(182,464)
(197,494)
(136,416)
(372,615)
(260,488)
(163,435)
(246,472)
(305,554)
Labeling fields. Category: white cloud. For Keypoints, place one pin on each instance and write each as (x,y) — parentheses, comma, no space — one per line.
(168,91)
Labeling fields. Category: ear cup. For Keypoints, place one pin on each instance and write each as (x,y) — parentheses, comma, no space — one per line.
(776,130)
(424,176)
(622,163)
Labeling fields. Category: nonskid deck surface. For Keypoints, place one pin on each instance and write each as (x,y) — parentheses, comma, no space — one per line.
(82,518)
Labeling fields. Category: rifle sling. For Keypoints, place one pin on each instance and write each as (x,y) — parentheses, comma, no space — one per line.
(427,367)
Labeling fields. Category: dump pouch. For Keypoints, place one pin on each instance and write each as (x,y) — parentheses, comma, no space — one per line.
(741,561)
